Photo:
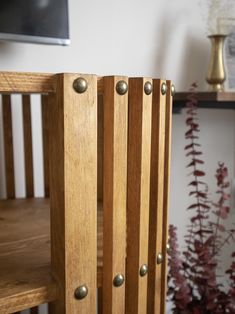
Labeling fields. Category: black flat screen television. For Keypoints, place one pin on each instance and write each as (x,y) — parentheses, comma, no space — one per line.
(35,21)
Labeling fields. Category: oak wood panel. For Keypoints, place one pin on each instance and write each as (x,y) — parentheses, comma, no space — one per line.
(73,193)
(167,161)
(138,182)
(28,154)
(19,82)
(46,101)
(114,194)
(156,198)
(25,279)
(23,82)
(8,146)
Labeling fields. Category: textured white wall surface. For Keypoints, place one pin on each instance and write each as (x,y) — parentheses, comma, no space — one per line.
(133,38)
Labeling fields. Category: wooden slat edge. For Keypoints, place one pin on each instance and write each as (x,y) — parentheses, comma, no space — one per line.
(156,198)
(167,162)
(8,146)
(26,82)
(20,82)
(46,101)
(28,154)
(73,194)
(28,299)
(139,143)
(114,196)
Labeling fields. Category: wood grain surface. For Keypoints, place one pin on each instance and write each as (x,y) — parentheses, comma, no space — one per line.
(166,193)
(73,193)
(156,197)
(138,182)
(114,194)
(25,279)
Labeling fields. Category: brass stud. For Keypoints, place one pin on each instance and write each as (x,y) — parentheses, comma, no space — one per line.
(163,88)
(118,280)
(80,85)
(172,90)
(148,88)
(168,247)
(81,292)
(143,270)
(159,258)
(121,87)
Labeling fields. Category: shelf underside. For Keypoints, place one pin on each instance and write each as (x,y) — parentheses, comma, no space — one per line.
(207,100)
(25,271)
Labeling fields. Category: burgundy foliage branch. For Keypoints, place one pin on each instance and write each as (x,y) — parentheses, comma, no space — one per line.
(192,281)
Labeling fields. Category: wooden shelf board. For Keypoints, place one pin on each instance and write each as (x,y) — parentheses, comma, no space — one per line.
(208,100)
(208,96)
(25,273)
(25,278)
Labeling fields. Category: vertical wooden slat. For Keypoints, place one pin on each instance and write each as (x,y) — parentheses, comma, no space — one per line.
(167,161)
(8,146)
(46,100)
(100,147)
(28,155)
(114,196)
(100,298)
(138,181)
(156,198)
(73,194)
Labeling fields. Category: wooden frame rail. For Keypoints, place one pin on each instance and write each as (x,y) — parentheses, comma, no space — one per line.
(106,155)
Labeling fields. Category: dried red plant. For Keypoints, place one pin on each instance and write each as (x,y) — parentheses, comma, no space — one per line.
(193,281)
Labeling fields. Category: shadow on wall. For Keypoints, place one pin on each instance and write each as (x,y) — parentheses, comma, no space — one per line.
(196,61)
(181,54)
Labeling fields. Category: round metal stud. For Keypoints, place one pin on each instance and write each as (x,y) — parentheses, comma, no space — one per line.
(118,280)
(159,258)
(121,87)
(172,90)
(163,88)
(81,292)
(148,88)
(143,270)
(80,85)
(168,247)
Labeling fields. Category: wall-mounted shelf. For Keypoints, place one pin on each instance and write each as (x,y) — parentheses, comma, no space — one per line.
(212,100)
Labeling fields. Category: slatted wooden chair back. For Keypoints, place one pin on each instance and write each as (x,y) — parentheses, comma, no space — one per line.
(109,141)
(17,83)
(27,143)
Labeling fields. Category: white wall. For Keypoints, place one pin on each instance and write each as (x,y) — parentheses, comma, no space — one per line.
(140,38)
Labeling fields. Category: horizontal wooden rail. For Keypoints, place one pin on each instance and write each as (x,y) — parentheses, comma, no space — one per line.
(23,82)
(14,82)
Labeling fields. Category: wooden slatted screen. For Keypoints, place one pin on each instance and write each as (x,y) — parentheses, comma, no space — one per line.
(139,143)
(73,182)
(114,194)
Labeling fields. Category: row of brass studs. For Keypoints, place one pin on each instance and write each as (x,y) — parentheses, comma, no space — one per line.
(82,291)
(80,85)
